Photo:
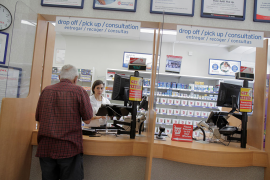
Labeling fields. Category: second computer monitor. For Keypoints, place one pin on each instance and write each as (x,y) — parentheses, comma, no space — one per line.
(226,93)
(120,87)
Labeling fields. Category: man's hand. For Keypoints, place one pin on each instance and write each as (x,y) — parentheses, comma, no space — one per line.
(102,2)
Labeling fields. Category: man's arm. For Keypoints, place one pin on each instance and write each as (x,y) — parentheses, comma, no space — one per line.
(86,110)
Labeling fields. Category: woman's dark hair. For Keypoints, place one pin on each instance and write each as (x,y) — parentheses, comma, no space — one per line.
(96,83)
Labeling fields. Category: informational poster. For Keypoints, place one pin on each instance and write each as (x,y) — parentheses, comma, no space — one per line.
(224,9)
(102,27)
(246,100)
(10,80)
(182,132)
(3,46)
(60,56)
(135,88)
(219,36)
(174,7)
(223,67)
(63,3)
(262,11)
(173,64)
(148,57)
(123,5)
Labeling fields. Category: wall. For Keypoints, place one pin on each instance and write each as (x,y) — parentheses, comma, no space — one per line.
(103,53)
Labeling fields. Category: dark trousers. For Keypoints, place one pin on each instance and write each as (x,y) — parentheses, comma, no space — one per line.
(64,169)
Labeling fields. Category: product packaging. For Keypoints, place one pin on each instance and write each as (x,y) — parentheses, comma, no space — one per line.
(168,130)
(174,85)
(169,111)
(168,120)
(181,121)
(179,86)
(168,84)
(197,113)
(163,100)
(183,112)
(189,122)
(190,112)
(156,129)
(196,134)
(170,101)
(191,86)
(184,102)
(163,110)
(175,121)
(191,103)
(198,103)
(157,110)
(195,123)
(204,104)
(108,95)
(177,111)
(157,100)
(204,114)
(161,120)
(177,101)
(211,104)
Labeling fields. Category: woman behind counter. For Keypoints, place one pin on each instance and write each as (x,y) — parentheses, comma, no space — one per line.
(96,100)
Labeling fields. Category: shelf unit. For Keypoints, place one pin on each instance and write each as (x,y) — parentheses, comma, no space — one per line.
(85,83)
(168,77)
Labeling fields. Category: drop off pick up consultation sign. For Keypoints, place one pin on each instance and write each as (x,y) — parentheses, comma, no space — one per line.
(220,36)
(98,26)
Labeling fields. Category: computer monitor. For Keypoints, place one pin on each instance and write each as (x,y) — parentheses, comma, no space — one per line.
(228,95)
(121,88)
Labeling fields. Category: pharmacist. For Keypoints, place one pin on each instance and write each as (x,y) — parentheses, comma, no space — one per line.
(96,100)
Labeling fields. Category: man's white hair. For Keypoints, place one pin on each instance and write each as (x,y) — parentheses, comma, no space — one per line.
(68,72)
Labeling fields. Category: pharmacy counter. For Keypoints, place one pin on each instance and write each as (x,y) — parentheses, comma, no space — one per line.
(212,154)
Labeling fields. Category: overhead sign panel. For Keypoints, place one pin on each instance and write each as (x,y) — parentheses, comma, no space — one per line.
(220,36)
(101,27)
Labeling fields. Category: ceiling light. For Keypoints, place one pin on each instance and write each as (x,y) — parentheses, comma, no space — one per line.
(28,23)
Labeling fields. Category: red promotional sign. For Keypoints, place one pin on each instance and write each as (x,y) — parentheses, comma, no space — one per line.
(182,132)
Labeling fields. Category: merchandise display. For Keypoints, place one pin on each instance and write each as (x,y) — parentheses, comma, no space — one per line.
(85,78)
(176,102)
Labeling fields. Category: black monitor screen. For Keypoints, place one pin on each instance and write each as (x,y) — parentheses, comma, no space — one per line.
(120,87)
(226,91)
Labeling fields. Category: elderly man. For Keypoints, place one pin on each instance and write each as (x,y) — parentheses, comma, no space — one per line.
(59,112)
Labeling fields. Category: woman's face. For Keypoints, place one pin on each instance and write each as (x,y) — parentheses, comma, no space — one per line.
(99,89)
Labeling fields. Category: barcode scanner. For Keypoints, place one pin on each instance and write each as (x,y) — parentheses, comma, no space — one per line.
(161,130)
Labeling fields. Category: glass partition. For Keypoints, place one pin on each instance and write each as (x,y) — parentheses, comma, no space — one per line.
(19,61)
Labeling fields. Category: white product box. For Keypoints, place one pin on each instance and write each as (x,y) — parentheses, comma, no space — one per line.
(170,101)
(161,120)
(211,104)
(198,103)
(108,95)
(189,122)
(190,113)
(177,111)
(163,100)
(204,103)
(191,103)
(181,121)
(196,133)
(195,123)
(197,113)
(183,112)
(158,99)
(177,101)
(184,102)
(168,130)
(204,113)
(163,110)
(169,111)
(157,110)
(156,120)
(168,120)
(175,121)
(156,129)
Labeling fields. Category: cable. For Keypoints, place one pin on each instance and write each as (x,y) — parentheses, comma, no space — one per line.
(114,111)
